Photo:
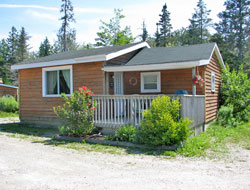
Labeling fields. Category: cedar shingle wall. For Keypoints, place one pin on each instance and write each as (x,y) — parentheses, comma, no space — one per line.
(8,91)
(34,107)
(211,99)
(171,80)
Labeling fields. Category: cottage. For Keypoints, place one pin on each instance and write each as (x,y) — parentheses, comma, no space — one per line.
(8,90)
(125,80)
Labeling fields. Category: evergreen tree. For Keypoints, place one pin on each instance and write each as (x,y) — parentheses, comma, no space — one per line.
(45,48)
(234,28)
(165,26)
(199,23)
(66,36)
(144,35)
(180,37)
(112,34)
(4,66)
(157,36)
(12,41)
(23,46)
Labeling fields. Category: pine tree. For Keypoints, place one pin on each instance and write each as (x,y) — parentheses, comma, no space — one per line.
(66,36)
(112,33)
(23,46)
(4,66)
(157,36)
(45,48)
(12,41)
(199,23)
(165,26)
(234,28)
(144,35)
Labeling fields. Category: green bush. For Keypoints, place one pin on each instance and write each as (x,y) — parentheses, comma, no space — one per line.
(225,116)
(8,104)
(77,113)
(125,133)
(162,124)
(236,93)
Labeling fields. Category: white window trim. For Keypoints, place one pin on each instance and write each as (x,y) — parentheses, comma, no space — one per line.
(44,70)
(158,82)
(212,83)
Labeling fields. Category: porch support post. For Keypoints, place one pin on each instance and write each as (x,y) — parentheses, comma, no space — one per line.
(194,86)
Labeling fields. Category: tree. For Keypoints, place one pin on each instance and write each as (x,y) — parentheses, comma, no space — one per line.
(66,36)
(23,46)
(180,37)
(157,36)
(112,34)
(165,26)
(234,28)
(12,42)
(144,35)
(45,48)
(199,23)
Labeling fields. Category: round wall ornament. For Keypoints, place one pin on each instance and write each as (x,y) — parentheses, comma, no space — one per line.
(133,81)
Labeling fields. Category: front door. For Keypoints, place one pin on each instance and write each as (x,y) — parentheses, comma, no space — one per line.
(118,90)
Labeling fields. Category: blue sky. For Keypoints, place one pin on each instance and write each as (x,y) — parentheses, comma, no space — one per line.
(40,17)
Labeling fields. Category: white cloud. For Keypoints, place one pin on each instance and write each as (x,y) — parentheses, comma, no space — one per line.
(36,40)
(42,15)
(93,10)
(28,6)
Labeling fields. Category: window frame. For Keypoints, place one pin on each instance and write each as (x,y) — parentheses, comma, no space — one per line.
(212,82)
(44,80)
(158,74)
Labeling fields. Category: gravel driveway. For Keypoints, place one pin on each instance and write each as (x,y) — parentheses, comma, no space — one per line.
(27,165)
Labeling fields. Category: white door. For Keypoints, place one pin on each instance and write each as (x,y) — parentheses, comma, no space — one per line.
(118,90)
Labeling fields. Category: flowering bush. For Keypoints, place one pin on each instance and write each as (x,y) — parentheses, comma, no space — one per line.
(77,113)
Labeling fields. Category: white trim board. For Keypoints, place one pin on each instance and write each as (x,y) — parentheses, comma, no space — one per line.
(158,74)
(86,59)
(9,86)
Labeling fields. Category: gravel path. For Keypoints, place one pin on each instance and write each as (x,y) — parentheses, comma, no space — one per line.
(26,165)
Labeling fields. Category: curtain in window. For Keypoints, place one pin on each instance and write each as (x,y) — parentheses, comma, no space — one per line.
(51,82)
(150,82)
(65,81)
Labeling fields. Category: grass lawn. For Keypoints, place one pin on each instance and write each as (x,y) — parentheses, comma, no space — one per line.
(212,143)
(7,114)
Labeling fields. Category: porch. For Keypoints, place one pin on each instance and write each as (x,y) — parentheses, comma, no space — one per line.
(113,111)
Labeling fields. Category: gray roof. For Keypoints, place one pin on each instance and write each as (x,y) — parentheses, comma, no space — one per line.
(172,54)
(79,53)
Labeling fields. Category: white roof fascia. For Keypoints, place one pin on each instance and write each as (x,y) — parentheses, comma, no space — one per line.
(9,86)
(87,59)
(152,67)
(127,50)
(217,52)
(204,62)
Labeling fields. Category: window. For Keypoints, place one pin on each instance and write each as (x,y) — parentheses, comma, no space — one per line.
(212,81)
(57,80)
(151,82)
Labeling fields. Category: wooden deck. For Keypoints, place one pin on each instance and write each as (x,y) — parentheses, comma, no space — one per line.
(116,110)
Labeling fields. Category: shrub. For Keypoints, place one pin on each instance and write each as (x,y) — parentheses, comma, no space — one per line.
(236,93)
(8,104)
(77,113)
(162,124)
(125,133)
(225,116)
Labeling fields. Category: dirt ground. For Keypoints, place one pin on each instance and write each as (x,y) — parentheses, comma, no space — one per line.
(28,165)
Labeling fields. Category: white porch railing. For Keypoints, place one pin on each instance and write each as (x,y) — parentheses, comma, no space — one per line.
(116,110)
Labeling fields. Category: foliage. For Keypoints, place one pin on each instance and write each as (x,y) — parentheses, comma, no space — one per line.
(45,48)
(236,93)
(23,46)
(225,116)
(66,36)
(165,26)
(8,104)
(199,23)
(214,140)
(234,30)
(125,133)
(162,124)
(111,33)
(77,113)
(144,36)
(7,114)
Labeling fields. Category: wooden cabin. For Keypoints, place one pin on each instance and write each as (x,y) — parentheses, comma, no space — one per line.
(124,79)
(8,90)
